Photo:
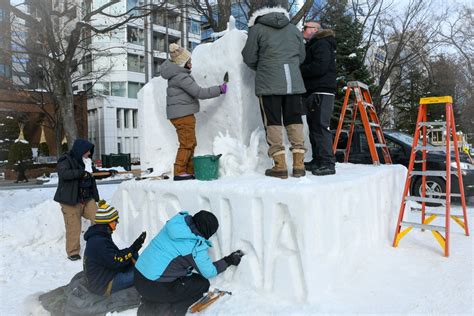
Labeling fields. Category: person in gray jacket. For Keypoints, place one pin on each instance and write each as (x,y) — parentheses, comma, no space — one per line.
(182,101)
(275,50)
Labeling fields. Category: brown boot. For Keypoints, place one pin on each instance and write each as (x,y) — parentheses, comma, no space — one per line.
(279,170)
(298,164)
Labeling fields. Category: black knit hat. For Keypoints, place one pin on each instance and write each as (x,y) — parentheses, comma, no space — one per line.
(206,223)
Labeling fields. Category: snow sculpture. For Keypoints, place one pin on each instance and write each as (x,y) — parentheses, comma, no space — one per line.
(235,114)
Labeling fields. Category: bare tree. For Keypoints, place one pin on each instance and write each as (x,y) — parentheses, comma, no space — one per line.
(59,37)
(218,14)
(459,34)
(403,38)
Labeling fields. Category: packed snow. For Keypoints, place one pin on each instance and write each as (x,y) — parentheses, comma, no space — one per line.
(376,279)
(314,245)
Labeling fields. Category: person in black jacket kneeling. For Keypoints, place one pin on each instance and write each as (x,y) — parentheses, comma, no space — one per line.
(107,268)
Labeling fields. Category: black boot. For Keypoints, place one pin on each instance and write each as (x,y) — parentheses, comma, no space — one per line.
(324,171)
(311,165)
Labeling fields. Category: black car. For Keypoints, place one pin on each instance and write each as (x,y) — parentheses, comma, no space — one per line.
(399,145)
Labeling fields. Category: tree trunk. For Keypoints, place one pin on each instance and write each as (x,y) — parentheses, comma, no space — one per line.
(65,98)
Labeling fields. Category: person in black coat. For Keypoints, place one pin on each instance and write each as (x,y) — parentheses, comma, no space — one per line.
(319,75)
(108,269)
(77,192)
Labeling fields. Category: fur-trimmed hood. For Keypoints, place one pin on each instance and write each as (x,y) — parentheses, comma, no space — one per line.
(324,33)
(267,10)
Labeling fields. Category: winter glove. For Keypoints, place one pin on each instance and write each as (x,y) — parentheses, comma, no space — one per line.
(87,164)
(138,243)
(234,258)
(223,88)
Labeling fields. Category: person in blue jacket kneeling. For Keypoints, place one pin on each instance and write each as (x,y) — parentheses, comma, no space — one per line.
(164,271)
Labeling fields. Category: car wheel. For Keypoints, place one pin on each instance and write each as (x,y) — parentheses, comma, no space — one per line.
(434,185)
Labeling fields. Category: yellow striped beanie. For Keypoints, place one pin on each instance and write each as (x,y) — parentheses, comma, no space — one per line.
(106,213)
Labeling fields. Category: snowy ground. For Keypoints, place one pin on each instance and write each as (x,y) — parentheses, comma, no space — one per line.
(414,278)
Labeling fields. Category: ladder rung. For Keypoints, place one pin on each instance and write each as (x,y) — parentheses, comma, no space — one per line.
(428,173)
(374,125)
(426,199)
(432,148)
(357,84)
(367,104)
(378,145)
(444,194)
(420,161)
(424,226)
(417,209)
(432,124)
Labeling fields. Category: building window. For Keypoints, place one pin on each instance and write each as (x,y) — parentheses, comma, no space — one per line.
(102,88)
(192,45)
(87,64)
(133,88)
(156,66)
(118,89)
(119,148)
(135,35)
(136,63)
(126,114)
(194,27)
(135,118)
(119,118)
(5,71)
(88,88)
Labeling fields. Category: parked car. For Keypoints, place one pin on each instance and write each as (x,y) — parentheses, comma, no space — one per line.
(399,145)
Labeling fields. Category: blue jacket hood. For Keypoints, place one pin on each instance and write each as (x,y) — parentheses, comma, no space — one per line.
(80,147)
(182,227)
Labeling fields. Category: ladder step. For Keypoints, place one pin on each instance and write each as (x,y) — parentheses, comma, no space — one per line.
(369,105)
(432,124)
(378,145)
(357,84)
(432,148)
(374,125)
(417,209)
(428,173)
(424,226)
(427,200)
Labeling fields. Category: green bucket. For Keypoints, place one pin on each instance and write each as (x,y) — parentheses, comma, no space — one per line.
(206,167)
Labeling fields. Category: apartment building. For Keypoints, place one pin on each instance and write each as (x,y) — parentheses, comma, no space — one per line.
(130,56)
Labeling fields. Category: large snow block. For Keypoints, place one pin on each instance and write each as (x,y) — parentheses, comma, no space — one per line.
(299,235)
(236,113)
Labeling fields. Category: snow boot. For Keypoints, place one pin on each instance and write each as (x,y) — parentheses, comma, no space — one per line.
(279,169)
(184,176)
(74,257)
(298,164)
(324,171)
(311,165)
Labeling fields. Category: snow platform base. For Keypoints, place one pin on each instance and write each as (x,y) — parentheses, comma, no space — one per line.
(300,235)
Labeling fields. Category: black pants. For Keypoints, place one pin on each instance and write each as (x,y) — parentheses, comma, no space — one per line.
(171,298)
(318,117)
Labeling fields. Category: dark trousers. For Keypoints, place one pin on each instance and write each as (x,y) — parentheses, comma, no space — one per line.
(318,117)
(173,298)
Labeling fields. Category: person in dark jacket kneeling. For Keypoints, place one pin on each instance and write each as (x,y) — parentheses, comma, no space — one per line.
(107,268)
(164,271)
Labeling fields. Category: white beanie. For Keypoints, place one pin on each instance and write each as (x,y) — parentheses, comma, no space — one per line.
(179,55)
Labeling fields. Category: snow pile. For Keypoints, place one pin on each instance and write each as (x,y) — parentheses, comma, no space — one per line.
(300,235)
(235,114)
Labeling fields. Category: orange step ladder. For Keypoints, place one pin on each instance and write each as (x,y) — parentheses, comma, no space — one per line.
(362,104)
(449,127)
